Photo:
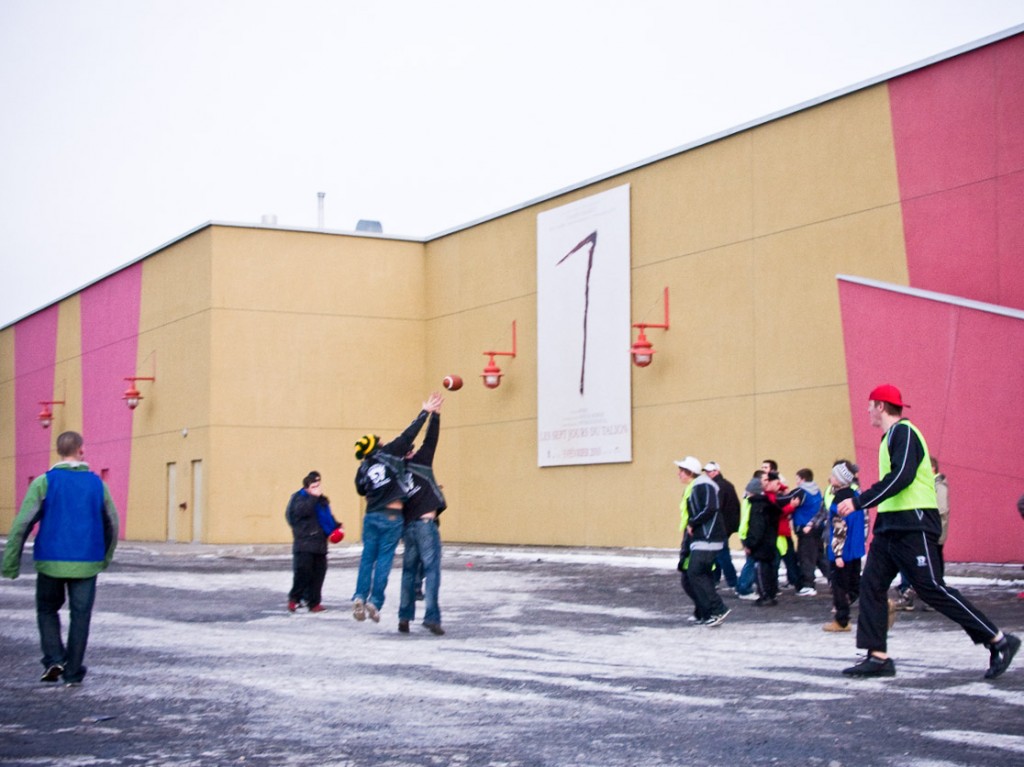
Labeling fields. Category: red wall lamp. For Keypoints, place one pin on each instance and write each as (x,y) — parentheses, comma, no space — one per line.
(492,373)
(46,415)
(131,395)
(642,351)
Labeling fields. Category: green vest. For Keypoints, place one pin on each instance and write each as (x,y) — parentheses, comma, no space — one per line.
(920,494)
(744,517)
(684,512)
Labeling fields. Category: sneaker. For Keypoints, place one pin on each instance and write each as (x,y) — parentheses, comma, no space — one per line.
(292,606)
(359,610)
(52,674)
(905,602)
(872,666)
(834,626)
(806,591)
(716,620)
(766,602)
(1002,654)
(434,628)
(317,609)
(372,612)
(892,612)
(748,597)
(403,627)
(73,684)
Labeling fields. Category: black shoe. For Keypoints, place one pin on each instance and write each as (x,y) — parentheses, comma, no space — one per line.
(1002,654)
(435,628)
(766,602)
(716,620)
(872,666)
(52,674)
(403,627)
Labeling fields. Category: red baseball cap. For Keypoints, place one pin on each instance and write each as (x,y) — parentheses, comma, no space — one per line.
(887,393)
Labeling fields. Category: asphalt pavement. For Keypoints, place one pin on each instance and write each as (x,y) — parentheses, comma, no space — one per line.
(551,657)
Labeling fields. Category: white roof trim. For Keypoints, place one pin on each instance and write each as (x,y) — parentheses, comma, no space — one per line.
(965,48)
(931,295)
(194,230)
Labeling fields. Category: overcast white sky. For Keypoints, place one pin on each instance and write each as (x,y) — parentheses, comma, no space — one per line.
(129,122)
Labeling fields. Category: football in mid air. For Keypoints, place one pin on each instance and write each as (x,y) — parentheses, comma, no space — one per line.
(452,383)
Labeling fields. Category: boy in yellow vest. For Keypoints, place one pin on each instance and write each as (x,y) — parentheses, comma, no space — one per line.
(906,535)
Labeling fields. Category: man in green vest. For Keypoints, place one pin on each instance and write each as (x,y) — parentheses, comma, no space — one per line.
(906,538)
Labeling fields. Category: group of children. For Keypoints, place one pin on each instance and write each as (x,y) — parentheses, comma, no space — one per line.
(768,512)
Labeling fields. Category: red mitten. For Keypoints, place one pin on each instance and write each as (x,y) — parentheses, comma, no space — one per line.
(337,535)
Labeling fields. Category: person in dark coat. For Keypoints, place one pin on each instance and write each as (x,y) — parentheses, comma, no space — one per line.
(762,534)
(729,503)
(305,512)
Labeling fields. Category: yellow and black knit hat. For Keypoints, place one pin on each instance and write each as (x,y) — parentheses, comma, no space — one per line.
(366,445)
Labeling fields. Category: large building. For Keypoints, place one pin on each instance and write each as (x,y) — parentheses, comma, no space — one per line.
(876,235)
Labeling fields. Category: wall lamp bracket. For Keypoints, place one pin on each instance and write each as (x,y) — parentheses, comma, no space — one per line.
(46,414)
(492,373)
(642,350)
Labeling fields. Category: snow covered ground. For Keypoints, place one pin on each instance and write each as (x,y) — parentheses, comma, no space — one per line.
(552,657)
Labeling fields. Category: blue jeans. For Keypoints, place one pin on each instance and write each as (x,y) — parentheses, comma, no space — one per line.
(422,548)
(725,567)
(745,581)
(81,594)
(381,532)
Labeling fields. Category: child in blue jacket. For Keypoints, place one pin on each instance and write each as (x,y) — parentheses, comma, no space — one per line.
(846,542)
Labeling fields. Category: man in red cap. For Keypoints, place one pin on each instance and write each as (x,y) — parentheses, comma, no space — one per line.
(906,536)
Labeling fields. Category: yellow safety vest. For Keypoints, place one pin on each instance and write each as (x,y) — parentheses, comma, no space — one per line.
(919,494)
(684,513)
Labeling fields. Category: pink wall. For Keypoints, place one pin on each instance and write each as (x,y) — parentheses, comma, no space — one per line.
(35,350)
(957,129)
(962,371)
(960,161)
(110,326)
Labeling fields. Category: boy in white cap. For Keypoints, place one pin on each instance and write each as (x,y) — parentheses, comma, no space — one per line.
(704,531)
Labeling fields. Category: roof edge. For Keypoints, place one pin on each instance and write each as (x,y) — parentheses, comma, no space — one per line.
(878,79)
(196,230)
(931,295)
(957,51)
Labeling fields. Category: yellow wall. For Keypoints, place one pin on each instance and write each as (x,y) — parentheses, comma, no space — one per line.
(172,425)
(277,349)
(315,340)
(748,233)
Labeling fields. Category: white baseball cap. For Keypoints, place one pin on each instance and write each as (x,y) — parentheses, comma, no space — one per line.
(712,466)
(689,463)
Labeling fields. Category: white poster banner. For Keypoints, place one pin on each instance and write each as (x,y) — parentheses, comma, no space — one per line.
(584,410)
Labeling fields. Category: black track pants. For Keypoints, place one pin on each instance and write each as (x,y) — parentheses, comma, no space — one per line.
(916,554)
